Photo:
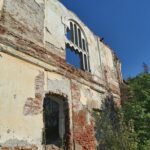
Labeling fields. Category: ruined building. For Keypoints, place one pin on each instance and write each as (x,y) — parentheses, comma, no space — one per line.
(53,72)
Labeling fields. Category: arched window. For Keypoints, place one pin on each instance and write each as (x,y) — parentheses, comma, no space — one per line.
(76,47)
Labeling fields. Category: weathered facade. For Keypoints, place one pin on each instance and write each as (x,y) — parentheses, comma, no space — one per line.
(45,102)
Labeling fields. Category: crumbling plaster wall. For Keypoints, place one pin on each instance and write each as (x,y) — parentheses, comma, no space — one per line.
(17,84)
(25,79)
(110,69)
(45,23)
(57,20)
(108,63)
(1,6)
(25,18)
(84,100)
(21,100)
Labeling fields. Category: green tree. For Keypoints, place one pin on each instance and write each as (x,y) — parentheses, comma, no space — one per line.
(136,108)
(128,127)
(111,130)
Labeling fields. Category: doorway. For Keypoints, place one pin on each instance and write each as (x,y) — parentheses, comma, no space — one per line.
(54,121)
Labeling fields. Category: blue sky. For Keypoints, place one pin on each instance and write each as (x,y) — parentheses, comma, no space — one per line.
(125,26)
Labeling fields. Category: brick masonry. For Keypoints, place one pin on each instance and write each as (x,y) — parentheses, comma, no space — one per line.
(33,106)
(83,131)
(19,148)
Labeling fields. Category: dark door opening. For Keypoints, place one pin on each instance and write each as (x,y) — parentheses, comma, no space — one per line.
(56,131)
(51,121)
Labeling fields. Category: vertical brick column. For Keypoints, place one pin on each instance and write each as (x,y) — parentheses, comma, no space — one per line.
(83,129)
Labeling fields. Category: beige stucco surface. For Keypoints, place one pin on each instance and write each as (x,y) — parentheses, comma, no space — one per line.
(16,84)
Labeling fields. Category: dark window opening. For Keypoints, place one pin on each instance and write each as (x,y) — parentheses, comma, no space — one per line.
(76,35)
(73,57)
(51,121)
(81,58)
(83,41)
(80,40)
(85,59)
(87,48)
(71,29)
(69,34)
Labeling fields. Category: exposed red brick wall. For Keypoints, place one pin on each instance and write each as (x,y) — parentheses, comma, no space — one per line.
(33,106)
(19,148)
(2,30)
(75,88)
(83,131)
(28,47)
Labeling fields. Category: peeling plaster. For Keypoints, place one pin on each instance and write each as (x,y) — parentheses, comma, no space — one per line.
(15,142)
(32,37)
(1,4)
(33,106)
(40,1)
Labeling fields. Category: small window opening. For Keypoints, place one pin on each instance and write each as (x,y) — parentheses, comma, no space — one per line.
(73,57)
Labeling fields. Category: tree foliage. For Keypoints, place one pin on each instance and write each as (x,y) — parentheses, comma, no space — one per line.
(136,109)
(111,131)
(128,127)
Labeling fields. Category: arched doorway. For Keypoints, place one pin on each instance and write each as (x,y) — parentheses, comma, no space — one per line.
(55,114)
(51,120)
